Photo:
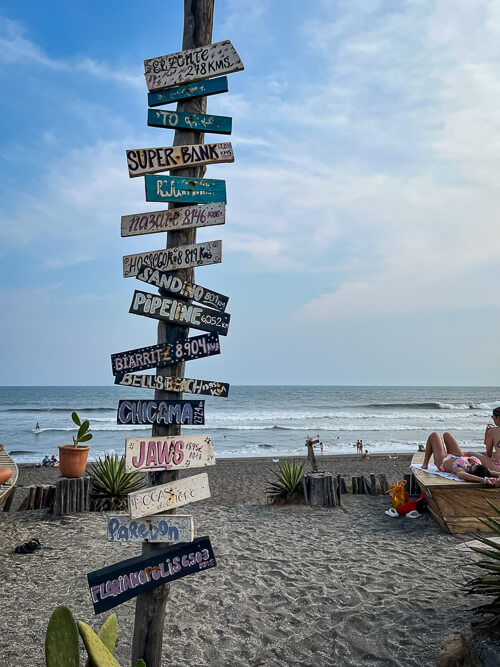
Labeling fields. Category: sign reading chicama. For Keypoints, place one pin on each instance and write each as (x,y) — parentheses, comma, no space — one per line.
(174,219)
(161,412)
(167,496)
(142,161)
(173,453)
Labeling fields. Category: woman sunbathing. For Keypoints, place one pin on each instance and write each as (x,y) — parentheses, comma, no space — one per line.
(477,468)
(492,440)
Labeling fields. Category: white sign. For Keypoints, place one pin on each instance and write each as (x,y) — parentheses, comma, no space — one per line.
(187,217)
(170,259)
(160,528)
(167,496)
(142,161)
(172,453)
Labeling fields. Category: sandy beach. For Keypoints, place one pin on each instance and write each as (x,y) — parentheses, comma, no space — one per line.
(293,586)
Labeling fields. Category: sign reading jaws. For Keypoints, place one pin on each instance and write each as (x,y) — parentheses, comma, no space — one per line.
(142,161)
(197,64)
(202,215)
(167,496)
(161,412)
(169,259)
(173,453)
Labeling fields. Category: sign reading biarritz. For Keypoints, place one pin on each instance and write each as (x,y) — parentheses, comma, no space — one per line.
(142,161)
(161,412)
(167,259)
(174,219)
(197,64)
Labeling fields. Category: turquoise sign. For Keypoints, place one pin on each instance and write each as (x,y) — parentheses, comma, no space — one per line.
(202,88)
(190,121)
(185,190)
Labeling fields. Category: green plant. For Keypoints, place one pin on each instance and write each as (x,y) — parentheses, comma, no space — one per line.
(488,584)
(111,484)
(83,434)
(288,483)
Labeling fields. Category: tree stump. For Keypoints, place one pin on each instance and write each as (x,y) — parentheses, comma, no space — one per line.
(321,489)
(72,495)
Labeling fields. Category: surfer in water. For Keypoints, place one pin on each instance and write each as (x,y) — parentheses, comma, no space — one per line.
(37,427)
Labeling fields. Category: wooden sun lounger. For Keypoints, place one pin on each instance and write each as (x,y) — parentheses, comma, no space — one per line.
(456,506)
(7,490)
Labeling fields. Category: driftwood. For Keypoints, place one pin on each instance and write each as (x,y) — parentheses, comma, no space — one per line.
(321,489)
(72,495)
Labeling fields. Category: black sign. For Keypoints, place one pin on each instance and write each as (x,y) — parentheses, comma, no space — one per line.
(161,412)
(179,312)
(122,581)
(165,354)
(170,283)
(167,383)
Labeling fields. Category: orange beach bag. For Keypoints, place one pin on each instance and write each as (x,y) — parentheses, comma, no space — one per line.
(399,495)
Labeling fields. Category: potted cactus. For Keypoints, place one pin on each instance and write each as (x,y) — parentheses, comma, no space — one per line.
(73,458)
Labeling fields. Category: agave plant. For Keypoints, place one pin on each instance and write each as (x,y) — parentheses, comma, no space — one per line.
(111,484)
(488,584)
(288,483)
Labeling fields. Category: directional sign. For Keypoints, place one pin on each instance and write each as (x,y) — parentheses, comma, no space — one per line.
(187,217)
(182,257)
(197,64)
(165,354)
(174,453)
(161,412)
(167,496)
(112,585)
(204,88)
(142,161)
(158,528)
(184,190)
(190,121)
(179,312)
(172,284)
(181,385)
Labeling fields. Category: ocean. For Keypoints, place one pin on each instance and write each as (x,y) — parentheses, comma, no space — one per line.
(269,421)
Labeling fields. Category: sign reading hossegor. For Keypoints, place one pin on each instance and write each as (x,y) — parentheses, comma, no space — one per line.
(173,453)
(159,528)
(167,496)
(169,259)
(187,217)
(161,412)
(167,383)
(142,161)
(197,64)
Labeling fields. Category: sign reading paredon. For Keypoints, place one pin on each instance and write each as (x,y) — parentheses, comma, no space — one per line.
(173,453)
(169,259)
(161,412)
(167,496)
(158,528)
(200,215)
(142,161)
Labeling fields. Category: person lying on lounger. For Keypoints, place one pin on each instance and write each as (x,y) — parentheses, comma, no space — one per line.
(492,440)
(448,457)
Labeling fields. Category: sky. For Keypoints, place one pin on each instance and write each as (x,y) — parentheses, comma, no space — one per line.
(361,237)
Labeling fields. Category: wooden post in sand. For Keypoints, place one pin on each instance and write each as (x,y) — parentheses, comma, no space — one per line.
(150,606)
(310,452)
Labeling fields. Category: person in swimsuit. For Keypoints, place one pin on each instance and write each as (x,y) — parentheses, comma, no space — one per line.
(448,457)
(492,440)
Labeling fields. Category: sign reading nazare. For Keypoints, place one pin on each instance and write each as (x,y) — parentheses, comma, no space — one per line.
(181,385)
(204,88)
(184,190)
(167,496)
(142,161)
(161,412)
(190,121)
(197,64)
(172,453)
(200,215)
(185,256)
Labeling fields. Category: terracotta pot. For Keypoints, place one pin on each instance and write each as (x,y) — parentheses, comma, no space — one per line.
(73,460)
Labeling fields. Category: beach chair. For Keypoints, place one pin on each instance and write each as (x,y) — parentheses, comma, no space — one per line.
(7,489)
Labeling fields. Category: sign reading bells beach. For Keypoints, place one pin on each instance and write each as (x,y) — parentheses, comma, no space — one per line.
(168,383)
(161,412)
(172,453)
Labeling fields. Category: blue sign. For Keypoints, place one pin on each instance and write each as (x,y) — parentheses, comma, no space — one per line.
(184,190)
(190,121)
(186,92)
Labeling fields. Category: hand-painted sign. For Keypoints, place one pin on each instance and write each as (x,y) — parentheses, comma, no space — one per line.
(181,385)
(161,412)
(197,64)
(202,89)
(112,585)
(174,453)
(142,161)
(187,217)
(184,190)
(168,259)
(190,121)
(172,284)
(165,354)
(158,528)
(167,496)
(179,312)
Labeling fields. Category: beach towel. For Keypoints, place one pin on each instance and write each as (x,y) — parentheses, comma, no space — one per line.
(435,471)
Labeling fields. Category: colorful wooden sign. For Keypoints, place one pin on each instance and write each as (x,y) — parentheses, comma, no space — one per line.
(181,385)
(168,259)
(167,496)
(185,314)
(173,453)
(165,354)
(187,217)
(158,528)
(201,89)
(161,412)
(184,190)
(197,64)
(142,161)
(112,585)
(177,120)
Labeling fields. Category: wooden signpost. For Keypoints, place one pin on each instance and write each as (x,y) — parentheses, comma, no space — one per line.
(193,121)
(197,254)
(175,453)
(179,312)
(175,219)
(171,284)
(196,64)
(167,496)
(165,354)
(184,190)
(201,89)
(167,383)
(161,412)
(158,528)
(141,161)
(118,583)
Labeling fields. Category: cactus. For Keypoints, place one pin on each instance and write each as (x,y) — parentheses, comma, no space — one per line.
(98,653)
(107,634)
(61,639)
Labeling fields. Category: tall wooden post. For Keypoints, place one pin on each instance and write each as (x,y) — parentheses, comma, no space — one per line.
(150,607)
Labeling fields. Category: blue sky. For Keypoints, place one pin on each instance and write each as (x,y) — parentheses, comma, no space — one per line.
(361,242)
